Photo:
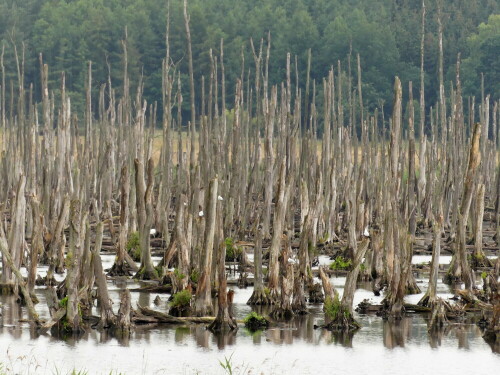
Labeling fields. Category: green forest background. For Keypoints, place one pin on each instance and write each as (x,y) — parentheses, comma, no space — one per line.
(386,34)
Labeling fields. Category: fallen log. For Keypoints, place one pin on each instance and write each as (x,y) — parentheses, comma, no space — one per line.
(159,317)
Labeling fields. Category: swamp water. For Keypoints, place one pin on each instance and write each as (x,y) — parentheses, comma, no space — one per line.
(294,347)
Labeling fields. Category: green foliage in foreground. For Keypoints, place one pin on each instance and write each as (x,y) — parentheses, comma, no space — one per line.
(332,308)
(181,299)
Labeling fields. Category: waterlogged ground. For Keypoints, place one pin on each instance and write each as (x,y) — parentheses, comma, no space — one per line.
(295,347)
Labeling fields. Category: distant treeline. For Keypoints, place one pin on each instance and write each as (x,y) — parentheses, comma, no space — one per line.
(385,33)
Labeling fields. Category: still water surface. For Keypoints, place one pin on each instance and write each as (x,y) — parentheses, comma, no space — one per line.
(295,347)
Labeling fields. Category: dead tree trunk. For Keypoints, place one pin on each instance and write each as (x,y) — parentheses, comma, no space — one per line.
(282,196)
(108,318)
(224,321)
(430,298)
(203,300)
(9,261)
(479,259)
(119,267)
(145,218)
(459,266)
(259,295)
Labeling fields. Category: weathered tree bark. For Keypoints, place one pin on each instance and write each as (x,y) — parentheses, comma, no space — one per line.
(124,321)
(203,300)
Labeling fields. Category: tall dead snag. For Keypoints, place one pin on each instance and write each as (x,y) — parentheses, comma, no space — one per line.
(145,217)
(119,268)
(411,287)
(269,114)
(108,318)
(459,266)
(282,197)
(259,295)
(422,179)
(397,240)
(203,300)
(191,80)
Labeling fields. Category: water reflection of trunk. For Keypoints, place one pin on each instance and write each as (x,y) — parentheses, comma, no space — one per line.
(181,333)
(225,339)
(396,333)
(202,337)
(463,339)
(144,299)
(257,338)
(436,336)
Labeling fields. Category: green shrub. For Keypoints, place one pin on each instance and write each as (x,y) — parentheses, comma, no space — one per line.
(332,308)
(232,252)
(254,321)
(195,275)
(340,263)
(134,246)
(178,274)
(181,299)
